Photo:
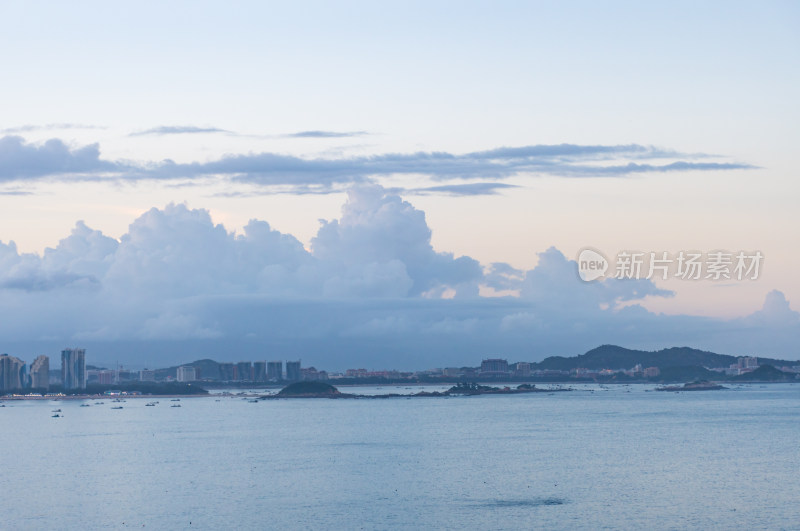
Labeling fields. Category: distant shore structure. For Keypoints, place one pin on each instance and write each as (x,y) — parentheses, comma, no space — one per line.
(186,374)
(40,373)
(73,368)
(293,371)
(275,370)
(12,373)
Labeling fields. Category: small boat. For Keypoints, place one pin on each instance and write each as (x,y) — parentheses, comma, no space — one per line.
(175,405)
(56,416)
(175,400)
(150,404)
(84,405)
(56,411)
(117,407)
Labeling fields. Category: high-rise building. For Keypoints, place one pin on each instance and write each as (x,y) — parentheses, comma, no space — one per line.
(244,371)
(494,367)
(73,368)
(147,375)
(260,371)
(523,369)
(186,374)
(12,373)
(747,362)
(40,373)
(226,372)
(652,372)
(275,370)
(292,371)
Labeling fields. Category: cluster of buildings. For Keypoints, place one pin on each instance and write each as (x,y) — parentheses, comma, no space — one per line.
(14,373)
(637,371)
(742,366)
(246,371)
(489,368)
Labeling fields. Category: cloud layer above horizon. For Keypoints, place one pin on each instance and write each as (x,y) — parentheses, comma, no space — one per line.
(22,161)
(370,291)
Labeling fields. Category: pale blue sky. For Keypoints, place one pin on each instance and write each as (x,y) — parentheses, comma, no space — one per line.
(702,83)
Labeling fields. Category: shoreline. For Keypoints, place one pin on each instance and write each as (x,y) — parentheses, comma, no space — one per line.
(104,397)
(57,398)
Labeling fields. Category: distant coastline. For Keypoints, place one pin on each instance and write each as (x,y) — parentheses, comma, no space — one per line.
(607,364)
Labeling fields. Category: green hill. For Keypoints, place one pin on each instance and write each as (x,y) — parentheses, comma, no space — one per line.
(308,389)
(765,373)
(615,357)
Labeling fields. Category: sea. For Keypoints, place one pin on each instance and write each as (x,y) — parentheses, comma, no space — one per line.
(597,457)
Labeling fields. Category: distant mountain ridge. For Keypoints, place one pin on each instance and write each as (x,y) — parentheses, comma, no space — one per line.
(616,357)
(673,360)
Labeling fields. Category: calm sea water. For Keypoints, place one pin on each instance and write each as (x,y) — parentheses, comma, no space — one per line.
(618,458)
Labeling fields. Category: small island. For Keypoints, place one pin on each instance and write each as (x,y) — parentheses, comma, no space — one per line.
(324,390)
(309,390)
(700,385)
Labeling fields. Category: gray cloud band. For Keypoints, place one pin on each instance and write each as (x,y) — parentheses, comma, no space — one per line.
(55,160)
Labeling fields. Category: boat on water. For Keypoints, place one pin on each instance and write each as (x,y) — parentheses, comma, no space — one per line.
(56,416)
(151,404)
(117,407)
(175,405)
(56,411)
(84,405)
(175,400)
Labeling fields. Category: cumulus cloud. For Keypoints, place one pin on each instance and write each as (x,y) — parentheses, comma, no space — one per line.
(371,291)
(55,159)
(377,229)
(552,282)
(776,312)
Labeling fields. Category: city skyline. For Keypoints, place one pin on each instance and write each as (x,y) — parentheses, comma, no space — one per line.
(75,373)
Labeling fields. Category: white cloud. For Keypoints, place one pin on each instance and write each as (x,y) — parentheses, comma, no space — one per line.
(372,292)
(379,228)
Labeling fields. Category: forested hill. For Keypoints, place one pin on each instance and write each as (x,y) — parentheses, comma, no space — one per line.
(614,357)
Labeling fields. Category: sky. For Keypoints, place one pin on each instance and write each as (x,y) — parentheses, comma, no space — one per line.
(394,185)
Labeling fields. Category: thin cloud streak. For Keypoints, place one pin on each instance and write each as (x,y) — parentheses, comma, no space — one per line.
(56,160)
(179,130)
(326,134)
(30,128)
(461,190)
